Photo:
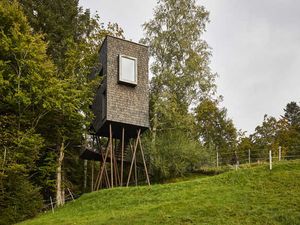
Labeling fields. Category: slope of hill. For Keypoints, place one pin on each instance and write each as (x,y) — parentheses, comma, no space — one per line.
(247,196)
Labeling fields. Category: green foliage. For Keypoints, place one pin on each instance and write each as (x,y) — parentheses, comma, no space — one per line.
(181,62)
(215,130)
(19,199)
(291,137)
(292,114)
(247,196)
(173,154)
(265,136)
(273,133)
(29,89)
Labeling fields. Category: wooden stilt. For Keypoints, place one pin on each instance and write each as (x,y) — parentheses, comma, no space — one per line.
(92,178)
(135,170)
(133,157)
(122,155)
(118,180)
(111,157)
(116,175)
(102,165)
(107,178)
(98,176)
(145,165)
(105,170)
(104,161)
(132,150)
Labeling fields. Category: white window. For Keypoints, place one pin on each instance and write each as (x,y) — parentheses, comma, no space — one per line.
(127,69)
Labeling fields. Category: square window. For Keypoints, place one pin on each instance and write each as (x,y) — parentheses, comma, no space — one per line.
(127,69)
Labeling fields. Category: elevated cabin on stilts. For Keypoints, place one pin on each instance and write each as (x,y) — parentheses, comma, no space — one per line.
(121,109)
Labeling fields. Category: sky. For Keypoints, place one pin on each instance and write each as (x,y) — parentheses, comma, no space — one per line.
(255,46)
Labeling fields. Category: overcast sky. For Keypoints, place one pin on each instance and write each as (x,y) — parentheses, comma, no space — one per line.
(255,44)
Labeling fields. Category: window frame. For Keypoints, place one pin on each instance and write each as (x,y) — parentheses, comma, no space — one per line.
(121,79)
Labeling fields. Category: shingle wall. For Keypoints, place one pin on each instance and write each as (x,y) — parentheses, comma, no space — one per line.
(125,103)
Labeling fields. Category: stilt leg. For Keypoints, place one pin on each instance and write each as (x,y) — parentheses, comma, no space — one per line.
(122,155)
(132,161)
(111,157)
(146,171)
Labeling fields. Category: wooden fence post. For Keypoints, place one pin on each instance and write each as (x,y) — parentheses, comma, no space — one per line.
(217,159)
(71,194)
(279,153)
(249,156)
(52,205)
(270,159)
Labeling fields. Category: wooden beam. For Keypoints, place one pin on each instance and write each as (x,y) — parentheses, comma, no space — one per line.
(133,157)
(92,179)
(145,165)
(103,165)
(111,157)
(122,155)
(135,170)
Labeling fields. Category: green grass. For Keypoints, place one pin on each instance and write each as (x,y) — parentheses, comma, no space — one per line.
(247,196)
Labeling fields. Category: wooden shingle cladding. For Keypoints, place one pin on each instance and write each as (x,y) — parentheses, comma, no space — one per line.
(125,105)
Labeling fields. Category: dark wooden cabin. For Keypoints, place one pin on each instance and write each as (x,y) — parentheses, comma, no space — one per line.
(122,98)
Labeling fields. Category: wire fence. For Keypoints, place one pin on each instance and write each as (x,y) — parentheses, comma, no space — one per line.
(52,203)
(218,159)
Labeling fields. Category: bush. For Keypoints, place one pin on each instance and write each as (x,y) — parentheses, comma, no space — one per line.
(19,199)
(173,154)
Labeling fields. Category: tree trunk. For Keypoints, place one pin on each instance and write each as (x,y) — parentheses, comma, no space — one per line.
(59,187)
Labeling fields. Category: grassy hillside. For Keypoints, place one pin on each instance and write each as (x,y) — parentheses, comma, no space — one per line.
(247,196)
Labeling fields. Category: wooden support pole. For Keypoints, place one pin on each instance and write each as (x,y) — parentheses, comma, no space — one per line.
(122,155)
(92,178)
(116,172)
(134,178)
(249,156)
(105,170)
(217,159)
(118,179)
(111,157)
(71,194)
(98,177)
(132,161)
(117,168)
(113,161)
(103,165)
(279,153)
(51,204)
(135,171)
(145,165)
(107,179)
(85,166)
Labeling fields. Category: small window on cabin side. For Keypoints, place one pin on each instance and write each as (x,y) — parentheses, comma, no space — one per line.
(127,69)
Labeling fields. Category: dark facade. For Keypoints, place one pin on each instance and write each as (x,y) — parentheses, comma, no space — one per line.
(117,102)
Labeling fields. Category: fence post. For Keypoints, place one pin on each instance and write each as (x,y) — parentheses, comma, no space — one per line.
(279,153)
(51,204)
(71,194)
(217,159)
(249,156)
(270,159)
